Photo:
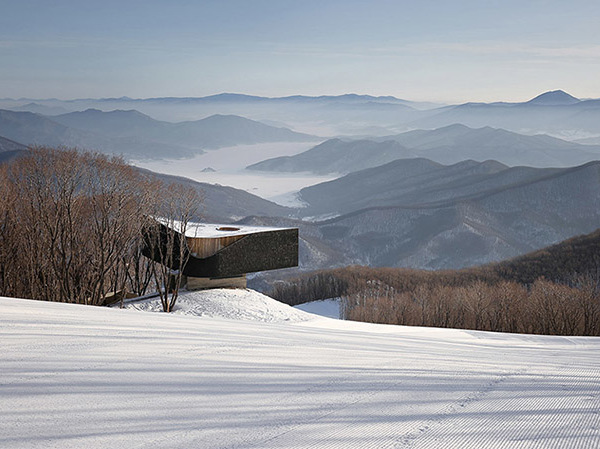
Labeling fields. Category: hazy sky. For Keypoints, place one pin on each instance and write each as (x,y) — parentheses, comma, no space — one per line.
(451,50)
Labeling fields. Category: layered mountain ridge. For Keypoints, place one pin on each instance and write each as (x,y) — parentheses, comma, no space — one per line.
(447,145)
(466,214)
(137,135)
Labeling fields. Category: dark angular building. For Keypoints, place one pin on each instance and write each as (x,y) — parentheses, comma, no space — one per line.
(222,255)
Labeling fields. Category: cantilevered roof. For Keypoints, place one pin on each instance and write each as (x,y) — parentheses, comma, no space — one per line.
(215,230)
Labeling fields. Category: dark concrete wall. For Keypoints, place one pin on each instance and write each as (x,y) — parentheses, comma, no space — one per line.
(263,251)
(269,250)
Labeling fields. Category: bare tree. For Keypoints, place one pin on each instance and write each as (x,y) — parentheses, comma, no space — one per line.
(9,245)
(72,221)
(166,240)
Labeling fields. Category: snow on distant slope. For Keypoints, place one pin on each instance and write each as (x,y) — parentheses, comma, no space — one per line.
(89,377)
(237,304)
(329,308)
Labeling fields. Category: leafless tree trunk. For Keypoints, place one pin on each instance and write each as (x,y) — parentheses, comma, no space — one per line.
(167,240)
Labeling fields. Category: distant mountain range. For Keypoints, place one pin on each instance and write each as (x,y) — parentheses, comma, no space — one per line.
(554,98)
(136,135)
(454,143)
(552,112)
(444,217)
(231,98)
(579,255)
(10,149)
(331,115)
(447,145)
(212,132)
(413,183)
(40,109)
(337,156)
(555,113)
(10,145)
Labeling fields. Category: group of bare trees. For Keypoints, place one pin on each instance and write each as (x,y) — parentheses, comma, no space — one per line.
(477,298)
(73,225)
(543,308)
(312,287)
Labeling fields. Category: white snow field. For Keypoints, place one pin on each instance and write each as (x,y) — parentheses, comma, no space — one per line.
(239,304)
(330,308)
(85,377)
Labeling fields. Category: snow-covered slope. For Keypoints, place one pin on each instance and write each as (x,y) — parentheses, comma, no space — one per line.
(84,377)
(234,304)
(330,308)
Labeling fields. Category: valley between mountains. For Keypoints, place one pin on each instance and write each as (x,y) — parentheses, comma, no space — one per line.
(476,183)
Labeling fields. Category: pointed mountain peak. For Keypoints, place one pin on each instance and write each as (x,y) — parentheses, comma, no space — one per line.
(554,98)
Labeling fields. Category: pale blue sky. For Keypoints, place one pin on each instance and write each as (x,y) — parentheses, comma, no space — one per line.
(475,50)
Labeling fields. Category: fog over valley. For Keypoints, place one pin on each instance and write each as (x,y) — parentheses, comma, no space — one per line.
(394,195)
(285,224)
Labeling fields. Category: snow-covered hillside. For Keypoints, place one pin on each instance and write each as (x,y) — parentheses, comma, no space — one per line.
(330,308)
(238,304)
(84,377)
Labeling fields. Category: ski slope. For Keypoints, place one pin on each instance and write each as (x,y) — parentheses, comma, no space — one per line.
(85,377)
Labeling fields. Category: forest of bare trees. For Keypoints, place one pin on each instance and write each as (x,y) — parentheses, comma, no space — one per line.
(73,225)
(484,298)
(545,307)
